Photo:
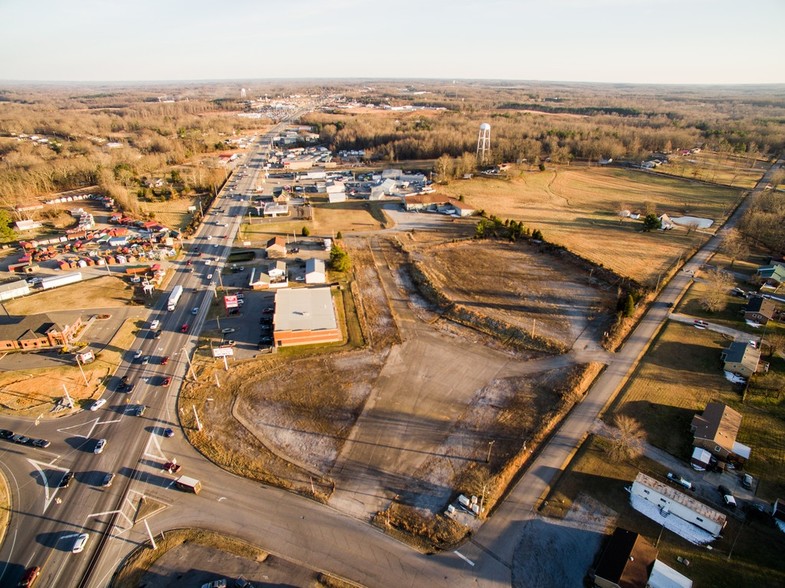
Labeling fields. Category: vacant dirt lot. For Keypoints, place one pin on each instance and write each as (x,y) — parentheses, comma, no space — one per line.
(518,285)
(577,208)
(103,292)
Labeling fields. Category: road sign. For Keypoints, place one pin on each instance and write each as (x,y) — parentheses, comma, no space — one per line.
(231,302)
(222,351)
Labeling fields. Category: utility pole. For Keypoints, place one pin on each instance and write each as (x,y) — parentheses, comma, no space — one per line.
(79,363)
(190,365)
(68,397)
(490,446)
(196,416)
(217,383)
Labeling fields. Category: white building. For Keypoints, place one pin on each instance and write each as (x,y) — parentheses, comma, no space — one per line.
(315,271)
(335,197)
(673,502)
(13,290)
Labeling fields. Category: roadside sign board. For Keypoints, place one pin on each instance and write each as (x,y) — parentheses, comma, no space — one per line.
(223,351)
(231,302)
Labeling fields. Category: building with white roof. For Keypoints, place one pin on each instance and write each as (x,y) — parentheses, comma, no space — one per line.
(304,316)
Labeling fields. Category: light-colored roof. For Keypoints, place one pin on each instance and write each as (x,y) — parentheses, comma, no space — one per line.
(15,285)
(680,497)
(664,576)
(304,309)
(313,264)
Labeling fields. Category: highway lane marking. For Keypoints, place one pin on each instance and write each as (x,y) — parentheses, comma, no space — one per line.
(111,512)
(464,558)
(47,499)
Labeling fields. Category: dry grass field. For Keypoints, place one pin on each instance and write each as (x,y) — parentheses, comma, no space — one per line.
(520,286)
(103,292)
(717,168)
(679,375)
(347,217)
(34,392)
(171,213)
(577,208)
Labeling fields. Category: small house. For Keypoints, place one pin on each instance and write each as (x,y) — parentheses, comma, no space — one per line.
(716,429)
(771,277)
(626,561)
(276,247)
(741,358)
(315,271)
(759,310)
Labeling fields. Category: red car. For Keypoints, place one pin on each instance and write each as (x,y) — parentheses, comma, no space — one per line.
(172,467)
(30,576)
(166,381)
(164,360)
(184,328)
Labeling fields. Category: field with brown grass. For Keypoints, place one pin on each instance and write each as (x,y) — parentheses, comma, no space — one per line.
(519,285)
(171,213)
(717,168)
(577,208)
(103,292)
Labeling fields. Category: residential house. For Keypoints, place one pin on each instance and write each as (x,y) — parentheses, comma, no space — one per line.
(716,430)
(666,223)
(759,310)
(276,247)
(315,271)
(674,502)
(277,269)
(741,358)
(771,277)
(626,561)
(437,202)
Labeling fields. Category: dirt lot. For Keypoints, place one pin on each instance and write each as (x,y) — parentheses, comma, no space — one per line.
(171,213)
(577,208)
(103,292)
(520,286)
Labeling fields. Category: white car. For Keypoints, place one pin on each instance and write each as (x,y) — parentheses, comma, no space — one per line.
(138,354)
(209,276)
(98,404)
(154,325)
(227,331)
(100,446)
(209,237)
(81,541)
(195,310)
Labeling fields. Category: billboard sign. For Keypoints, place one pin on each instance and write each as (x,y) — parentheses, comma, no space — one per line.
(223,351)
(231,302)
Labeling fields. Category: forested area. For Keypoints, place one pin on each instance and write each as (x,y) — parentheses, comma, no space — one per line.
(561,123)
(111,139)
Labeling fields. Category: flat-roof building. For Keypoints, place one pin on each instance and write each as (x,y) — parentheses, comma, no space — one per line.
(304,316)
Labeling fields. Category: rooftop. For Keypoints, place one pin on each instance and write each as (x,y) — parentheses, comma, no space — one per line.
(304,309)
(681,498)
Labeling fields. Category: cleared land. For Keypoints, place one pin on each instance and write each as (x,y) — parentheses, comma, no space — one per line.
(718,168)
(519,285)
(103,292)
(679,375)
(577,208)
(171,213)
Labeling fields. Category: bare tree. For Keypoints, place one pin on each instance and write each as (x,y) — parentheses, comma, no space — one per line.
(733,245)
(718,283)
(628,439)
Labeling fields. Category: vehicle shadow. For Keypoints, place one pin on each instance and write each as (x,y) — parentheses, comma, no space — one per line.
(148,478)
(48,477)
(60,540)
(81,443)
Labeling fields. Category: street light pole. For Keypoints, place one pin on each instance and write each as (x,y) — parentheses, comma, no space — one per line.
(190,365)
(490,446)
(79,363)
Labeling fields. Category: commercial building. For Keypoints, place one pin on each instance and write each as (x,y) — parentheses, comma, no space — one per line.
(304,316)
(38,331)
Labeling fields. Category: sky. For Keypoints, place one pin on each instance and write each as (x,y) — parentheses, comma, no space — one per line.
(621,41)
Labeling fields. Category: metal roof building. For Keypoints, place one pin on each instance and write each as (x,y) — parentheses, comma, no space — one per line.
(304,316)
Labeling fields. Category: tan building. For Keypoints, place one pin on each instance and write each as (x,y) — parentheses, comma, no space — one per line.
(716,430)
(276,247)
(741,358)
(304,316)
(626,561)
(36,331)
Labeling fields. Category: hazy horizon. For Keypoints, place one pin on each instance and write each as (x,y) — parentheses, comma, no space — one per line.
(671,42)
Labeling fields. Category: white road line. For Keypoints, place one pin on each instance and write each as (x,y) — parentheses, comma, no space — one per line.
(464,558)
(47,499)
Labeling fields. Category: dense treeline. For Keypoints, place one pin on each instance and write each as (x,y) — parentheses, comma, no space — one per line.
(111,139)
(764,220)
(560,122)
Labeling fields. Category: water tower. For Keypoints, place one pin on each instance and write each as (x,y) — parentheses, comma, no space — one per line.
(243,93)
(483,143)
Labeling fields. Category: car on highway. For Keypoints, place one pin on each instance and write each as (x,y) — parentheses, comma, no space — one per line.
(129,387)
(184,328)
(42,443)
(100,446)
(29,577)
(145,360)
(172,467)
(166,381)
(157,334)
(227,330)
(168,432)
(164,360)
(138,410)
(188,263)
(154,325)
(727,496)
(681,481)
(209,276)
(80,542)
(108,479)
(138,354)
(65,481)
(195,310)
(97,404)
(6,434)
